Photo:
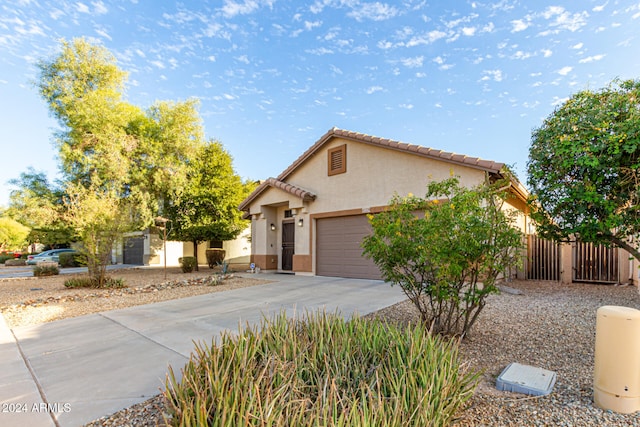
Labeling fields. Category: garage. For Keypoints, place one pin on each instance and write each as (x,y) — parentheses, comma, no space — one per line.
(133,251)
(338,251)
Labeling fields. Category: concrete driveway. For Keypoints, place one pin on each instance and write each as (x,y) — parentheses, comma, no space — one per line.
(73,371)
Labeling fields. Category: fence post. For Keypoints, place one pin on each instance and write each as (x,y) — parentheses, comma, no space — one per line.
(566,263)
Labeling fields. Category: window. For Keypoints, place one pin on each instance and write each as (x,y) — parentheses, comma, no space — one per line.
(337,159)
(288,213)
(215,244)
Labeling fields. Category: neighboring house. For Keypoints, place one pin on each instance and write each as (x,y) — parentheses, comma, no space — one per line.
(312,218)
(147,248)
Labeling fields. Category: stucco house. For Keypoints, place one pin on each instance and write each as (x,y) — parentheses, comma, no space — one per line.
(311,218)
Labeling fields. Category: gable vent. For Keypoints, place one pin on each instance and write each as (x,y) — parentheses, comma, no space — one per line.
(337,158)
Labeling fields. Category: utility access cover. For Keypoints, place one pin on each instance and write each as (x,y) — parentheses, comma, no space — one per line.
(526,379)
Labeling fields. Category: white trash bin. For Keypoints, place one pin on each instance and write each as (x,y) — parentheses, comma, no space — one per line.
(616,375)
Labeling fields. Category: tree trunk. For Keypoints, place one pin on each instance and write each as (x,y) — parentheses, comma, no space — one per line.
(195,253)
(624,245)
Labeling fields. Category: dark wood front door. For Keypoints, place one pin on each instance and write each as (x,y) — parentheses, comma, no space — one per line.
(288,244)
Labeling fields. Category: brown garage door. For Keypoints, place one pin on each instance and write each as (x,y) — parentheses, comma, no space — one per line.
(338,251)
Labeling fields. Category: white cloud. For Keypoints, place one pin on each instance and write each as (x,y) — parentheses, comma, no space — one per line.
(558,101)
(55,14)
(438,60)
(521,55)
(231,8)
(406,106)
(577,46)
(243,58)
(564,20)
(547,53)
(311,25)
(158,64)
(99,8)
(413,62)
(82,8)
(519,25)
(488,28)
(469,31)
(374,89)
(373,11)
(564,70)
(495,75)
(103,32)
(591,59)
(599,8)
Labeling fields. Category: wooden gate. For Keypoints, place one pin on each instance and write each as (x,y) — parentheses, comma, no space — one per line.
(543,259)
(595,263)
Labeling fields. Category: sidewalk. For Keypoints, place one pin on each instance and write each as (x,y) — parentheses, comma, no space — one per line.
(80,369)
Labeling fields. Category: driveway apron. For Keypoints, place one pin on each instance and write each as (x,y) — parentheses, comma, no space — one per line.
(73,371)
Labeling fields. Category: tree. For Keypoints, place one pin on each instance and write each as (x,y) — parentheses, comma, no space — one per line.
(446,250)
(113,155)
(13,235)
(583,168)
(207,208)
(37,204)
(100,217)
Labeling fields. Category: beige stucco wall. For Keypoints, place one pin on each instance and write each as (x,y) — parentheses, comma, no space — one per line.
(373,175)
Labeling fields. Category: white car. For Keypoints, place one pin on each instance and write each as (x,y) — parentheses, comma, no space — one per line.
(51,255)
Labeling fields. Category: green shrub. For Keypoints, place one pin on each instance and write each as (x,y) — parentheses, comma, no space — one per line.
(46,270)
(187,263)
(321,371)
(72,259)
(446,250)
(4,258)
(15,262)
(91,282)
(215,257)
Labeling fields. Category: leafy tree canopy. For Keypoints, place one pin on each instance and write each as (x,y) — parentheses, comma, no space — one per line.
(13,235)
(583,168)
(207,208)
(126,161)
(37,204)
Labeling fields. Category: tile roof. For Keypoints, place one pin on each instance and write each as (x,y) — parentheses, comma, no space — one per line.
(472,162)
(279,182)
(305,195)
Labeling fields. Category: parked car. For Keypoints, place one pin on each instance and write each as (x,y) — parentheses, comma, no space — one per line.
(51,255)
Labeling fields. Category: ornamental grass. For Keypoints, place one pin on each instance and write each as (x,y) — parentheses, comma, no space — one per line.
(321,370)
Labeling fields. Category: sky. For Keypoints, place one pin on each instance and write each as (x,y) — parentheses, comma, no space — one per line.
(273,76)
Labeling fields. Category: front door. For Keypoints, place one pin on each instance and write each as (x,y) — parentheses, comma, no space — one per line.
(288,244)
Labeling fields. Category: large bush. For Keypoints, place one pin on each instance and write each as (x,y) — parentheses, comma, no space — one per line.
(321,371)
(188,263)
(72,259)
(446,250)
(215,256)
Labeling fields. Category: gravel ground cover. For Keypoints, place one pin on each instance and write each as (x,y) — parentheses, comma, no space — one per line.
(543,324)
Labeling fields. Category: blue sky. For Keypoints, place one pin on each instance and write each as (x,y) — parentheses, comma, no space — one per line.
(272,76)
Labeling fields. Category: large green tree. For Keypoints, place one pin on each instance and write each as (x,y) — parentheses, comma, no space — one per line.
(583,168)
(37,204)
(113,155)
(207,208)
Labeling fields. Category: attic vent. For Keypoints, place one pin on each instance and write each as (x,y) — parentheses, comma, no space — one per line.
(337,158)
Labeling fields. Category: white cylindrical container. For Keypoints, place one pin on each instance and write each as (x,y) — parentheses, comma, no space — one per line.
(616,376)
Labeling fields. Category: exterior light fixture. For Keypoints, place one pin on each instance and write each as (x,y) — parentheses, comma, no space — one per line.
(273,227)
(300,222)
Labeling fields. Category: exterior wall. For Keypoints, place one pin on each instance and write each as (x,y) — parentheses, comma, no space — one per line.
(373,176)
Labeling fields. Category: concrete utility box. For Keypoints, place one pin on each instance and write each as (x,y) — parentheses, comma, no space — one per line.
(616,376)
